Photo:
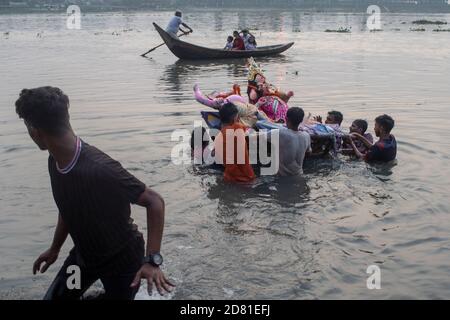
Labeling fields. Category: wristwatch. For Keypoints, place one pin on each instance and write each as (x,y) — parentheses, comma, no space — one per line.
(154,259)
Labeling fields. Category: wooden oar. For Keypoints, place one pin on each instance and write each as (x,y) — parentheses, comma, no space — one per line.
(144,54)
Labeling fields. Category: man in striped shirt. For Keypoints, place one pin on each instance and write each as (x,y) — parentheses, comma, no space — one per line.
(93,194)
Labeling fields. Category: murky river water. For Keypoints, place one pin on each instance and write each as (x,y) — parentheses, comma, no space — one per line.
(281,239)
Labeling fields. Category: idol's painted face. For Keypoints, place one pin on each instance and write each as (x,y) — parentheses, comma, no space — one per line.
(259,79)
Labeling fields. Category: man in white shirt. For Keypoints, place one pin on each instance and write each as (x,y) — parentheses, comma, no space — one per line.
(174,25)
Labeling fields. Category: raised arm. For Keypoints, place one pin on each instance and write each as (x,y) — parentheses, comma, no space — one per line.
(363,139)
(356,151)
(50,256)
(155,206)
(186,26)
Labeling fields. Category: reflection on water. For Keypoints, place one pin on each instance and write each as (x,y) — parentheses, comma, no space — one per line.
(289,239)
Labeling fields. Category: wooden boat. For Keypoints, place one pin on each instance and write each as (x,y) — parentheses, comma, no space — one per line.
(184,50)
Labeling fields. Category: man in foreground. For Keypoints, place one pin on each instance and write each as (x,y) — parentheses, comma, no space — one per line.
(93,194)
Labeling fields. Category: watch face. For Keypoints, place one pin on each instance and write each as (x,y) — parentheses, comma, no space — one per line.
(157,259)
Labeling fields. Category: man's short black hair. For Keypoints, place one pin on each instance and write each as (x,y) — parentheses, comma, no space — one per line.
(362,124)
(337,116)
(178,13)
(227,113)
(386,122)
(295,116)
(235,32)
(45,108)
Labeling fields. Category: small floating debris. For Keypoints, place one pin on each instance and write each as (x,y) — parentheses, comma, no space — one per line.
(417,29)
(39,34)
(424,21)
(404,22)
(376,30)
(115,33)
(396,29)
(441,30)
(296,30)
(340,30)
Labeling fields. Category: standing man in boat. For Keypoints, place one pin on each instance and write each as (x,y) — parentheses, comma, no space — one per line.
(175,23)
(93,194)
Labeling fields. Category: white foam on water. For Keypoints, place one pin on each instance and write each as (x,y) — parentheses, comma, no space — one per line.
(143,293)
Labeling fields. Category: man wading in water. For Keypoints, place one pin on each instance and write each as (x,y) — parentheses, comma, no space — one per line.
(93,194)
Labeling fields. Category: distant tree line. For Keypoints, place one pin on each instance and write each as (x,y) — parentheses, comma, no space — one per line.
(257,4)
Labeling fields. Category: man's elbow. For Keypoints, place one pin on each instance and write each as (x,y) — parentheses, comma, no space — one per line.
(152,199)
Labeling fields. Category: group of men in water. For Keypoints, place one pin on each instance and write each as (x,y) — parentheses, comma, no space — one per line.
(93,192)
(267,109)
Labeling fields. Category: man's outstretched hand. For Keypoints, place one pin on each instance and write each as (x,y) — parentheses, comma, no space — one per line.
(154,275)
(49,257)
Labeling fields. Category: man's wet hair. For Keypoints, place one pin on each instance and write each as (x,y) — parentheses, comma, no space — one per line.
(227,113)
(295,116)
(178,13)
(386,122)
(45,108)
(337,116)
(362,124)
(230,38)
(235,32)
(199,131)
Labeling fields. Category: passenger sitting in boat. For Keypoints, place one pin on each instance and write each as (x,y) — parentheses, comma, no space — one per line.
(385,149)
(174,25)
(246,35)
(238,43)
(358,126)
(237,164)
(251,45)
(229,44)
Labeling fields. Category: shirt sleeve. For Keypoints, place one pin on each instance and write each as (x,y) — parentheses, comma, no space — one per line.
(124,182)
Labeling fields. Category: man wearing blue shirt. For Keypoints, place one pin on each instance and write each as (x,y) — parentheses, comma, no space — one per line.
(385,149)
(174,25)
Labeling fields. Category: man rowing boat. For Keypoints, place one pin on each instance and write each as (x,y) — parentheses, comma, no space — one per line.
(175,23)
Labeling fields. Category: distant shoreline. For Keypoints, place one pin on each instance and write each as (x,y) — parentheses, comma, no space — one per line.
(398,8)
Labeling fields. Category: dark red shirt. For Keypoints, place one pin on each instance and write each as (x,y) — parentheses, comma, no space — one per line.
(238,44)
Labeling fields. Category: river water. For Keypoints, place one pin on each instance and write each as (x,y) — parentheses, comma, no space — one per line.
(312,238)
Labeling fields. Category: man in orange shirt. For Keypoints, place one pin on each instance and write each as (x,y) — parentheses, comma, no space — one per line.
(231,147)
